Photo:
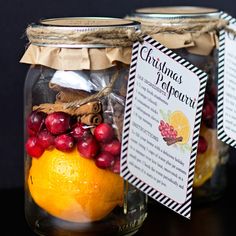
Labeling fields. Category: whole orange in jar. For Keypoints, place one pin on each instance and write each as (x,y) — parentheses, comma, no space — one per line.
(74,102)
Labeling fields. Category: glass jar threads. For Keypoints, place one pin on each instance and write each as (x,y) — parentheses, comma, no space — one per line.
(74,101)
(192,32)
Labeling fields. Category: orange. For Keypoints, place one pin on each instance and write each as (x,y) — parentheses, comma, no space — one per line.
(72,188)
(206,162)
(181,124)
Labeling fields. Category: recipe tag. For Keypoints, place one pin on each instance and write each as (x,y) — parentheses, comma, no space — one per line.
(161,124)
(226,116)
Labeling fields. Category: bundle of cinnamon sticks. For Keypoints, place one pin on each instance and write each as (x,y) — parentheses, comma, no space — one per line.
(89,113)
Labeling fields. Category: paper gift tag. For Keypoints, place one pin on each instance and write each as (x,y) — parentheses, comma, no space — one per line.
(226,116)
(161,124)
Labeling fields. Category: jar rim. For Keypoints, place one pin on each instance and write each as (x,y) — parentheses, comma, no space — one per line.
(65,31)
(86,23)
(176,12)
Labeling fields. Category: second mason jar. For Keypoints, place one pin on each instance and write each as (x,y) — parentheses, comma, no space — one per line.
(192,32)
(74,102)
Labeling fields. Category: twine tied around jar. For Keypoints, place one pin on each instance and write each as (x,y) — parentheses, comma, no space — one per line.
(114,37)
(197,26)
(230,30)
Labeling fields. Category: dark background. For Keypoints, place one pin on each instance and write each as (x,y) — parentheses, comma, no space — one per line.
(15,15)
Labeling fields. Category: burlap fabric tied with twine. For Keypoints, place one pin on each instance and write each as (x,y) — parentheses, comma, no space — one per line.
(77,44)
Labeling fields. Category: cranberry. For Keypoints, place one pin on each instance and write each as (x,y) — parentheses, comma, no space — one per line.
(173,135)
(31,132)
(33,147)
(162,123)
(57,122)
(202,145)
(35,122)
(164,133)
(116,167)
(88,147)
(79,131)
(209,110)
(167,126)
(46,139)
(213,91)
(113,147)
(104,133)
(64,142)
(104,160)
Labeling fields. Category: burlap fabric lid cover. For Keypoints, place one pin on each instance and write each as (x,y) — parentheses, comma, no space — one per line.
(80,43)
(193,28)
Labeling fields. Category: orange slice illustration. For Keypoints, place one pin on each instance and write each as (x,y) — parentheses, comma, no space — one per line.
(181,124)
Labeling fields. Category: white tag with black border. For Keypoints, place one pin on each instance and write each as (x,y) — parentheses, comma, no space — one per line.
(226,115)
(162,118)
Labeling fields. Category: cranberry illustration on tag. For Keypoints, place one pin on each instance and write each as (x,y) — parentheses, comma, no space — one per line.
(177,130)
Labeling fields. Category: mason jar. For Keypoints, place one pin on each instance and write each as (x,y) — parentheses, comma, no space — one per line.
(75,92)
(192,32)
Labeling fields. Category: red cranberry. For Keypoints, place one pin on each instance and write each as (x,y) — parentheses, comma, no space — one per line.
(164,133)
(167,126)
(33,147)
(64,142)
(213,91)
(113,147)
(31,132)
(104,160)
(79,131)
(35,122)
(88,147)
(46,139)
(104,133)
(202,145)
(209,110)
(162,123)
(57,122)
(116,167)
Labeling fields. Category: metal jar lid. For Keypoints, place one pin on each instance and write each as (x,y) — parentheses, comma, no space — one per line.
(176,12)
(79,32)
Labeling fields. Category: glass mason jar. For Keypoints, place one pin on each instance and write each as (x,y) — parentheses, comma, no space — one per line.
(191,32)
(74,102)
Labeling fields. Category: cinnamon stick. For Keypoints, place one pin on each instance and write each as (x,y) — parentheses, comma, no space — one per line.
(167,139)
(174,140)
(91,119)
(90,107)
(70,96)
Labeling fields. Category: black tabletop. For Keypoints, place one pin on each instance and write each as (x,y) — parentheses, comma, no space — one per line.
(212,219)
